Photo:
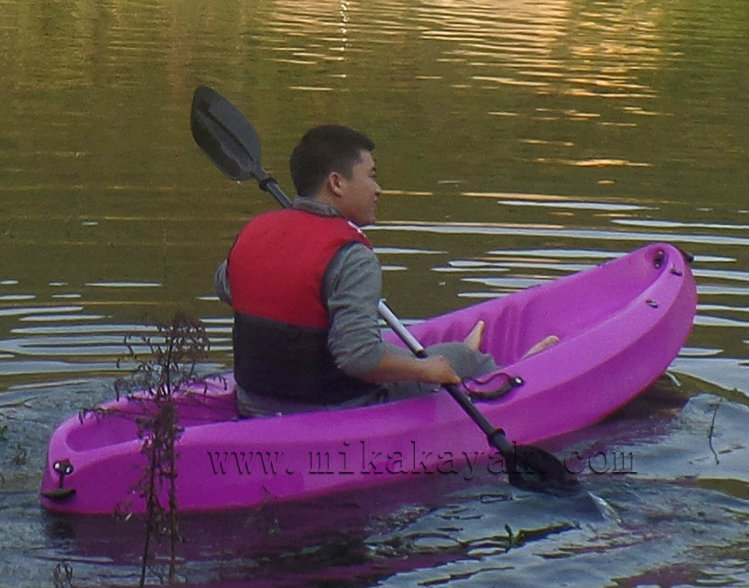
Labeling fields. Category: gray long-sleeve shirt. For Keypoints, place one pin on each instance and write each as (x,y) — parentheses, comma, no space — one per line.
(351,288)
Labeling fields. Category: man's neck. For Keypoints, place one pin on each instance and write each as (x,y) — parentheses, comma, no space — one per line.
(316,206)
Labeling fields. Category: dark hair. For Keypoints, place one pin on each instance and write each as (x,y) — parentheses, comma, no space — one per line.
(323,150)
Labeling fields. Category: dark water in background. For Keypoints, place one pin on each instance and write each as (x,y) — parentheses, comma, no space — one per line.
(517,141)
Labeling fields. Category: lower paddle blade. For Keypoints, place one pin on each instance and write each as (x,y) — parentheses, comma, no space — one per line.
(532,468)
(225,135)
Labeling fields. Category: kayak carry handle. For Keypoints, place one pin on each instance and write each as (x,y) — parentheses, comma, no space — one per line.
(485,387)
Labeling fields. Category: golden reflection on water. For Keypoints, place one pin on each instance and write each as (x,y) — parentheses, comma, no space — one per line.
(607,162)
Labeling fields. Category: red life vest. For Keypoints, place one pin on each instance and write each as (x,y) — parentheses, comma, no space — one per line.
(277,265)
(276,271)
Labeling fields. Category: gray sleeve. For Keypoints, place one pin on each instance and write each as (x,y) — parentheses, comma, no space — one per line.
(352,289)
(221,283)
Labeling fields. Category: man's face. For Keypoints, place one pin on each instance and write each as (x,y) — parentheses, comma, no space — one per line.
(359,193)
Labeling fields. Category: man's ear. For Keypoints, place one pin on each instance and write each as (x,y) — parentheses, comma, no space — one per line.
(335,183)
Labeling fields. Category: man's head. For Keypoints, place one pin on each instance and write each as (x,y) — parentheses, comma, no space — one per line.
(334,164)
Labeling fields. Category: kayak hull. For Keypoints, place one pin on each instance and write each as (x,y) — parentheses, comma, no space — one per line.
(620,325)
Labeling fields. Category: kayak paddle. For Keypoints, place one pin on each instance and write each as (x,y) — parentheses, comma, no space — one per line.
(230,141)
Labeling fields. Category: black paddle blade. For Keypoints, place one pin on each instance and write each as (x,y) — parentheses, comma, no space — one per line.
(225,135)
(532,468)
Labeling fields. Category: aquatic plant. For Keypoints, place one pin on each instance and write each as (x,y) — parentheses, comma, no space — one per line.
(62,575)
(171,355)
(711,431)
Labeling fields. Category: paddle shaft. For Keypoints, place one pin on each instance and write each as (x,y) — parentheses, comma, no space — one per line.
(269,184)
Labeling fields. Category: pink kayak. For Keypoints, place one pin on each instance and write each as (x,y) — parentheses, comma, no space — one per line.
(619,326)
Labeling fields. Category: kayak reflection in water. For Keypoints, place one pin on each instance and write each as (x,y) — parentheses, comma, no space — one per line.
(305,283)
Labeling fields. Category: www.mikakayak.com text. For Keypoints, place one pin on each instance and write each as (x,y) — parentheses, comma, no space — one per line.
(361,458)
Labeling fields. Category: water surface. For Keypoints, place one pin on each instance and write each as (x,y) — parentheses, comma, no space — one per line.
(518,142)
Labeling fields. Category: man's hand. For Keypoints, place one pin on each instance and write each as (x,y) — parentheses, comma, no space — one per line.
(439,371)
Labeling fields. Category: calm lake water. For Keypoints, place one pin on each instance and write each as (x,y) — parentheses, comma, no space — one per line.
(518,141)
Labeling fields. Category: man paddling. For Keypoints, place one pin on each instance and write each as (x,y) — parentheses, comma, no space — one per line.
(304,284)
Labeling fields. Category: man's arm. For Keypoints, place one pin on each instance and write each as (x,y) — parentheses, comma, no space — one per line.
(221,283)
(397,368)
(352,288)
